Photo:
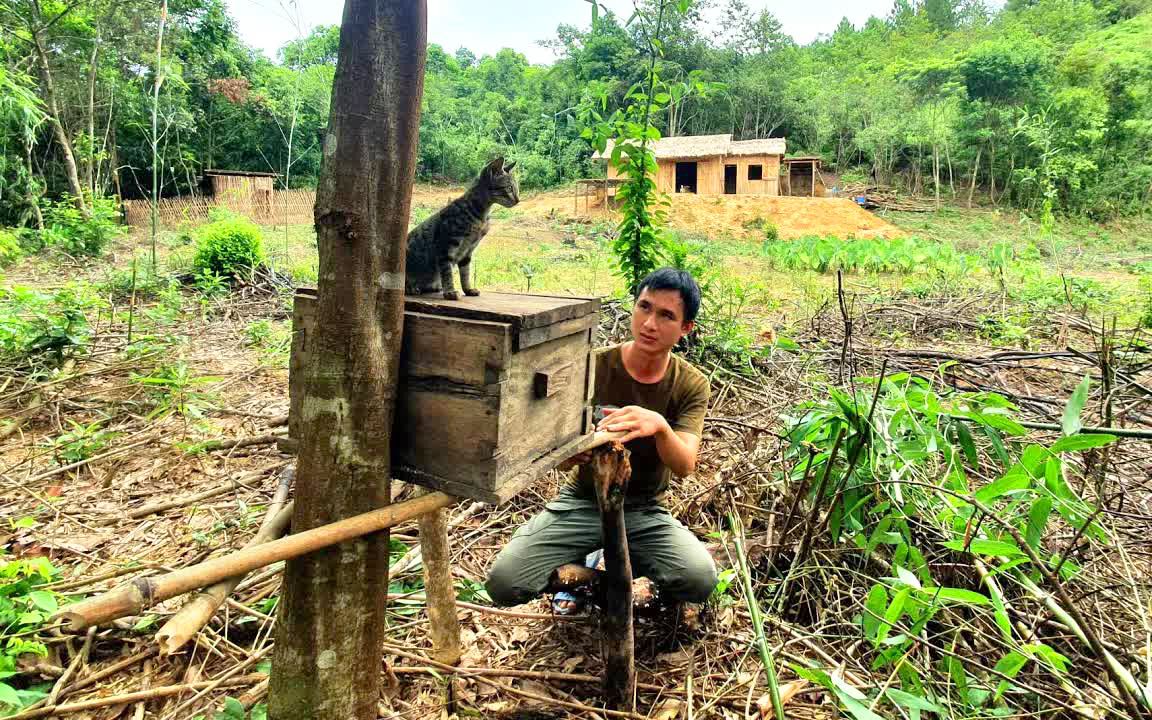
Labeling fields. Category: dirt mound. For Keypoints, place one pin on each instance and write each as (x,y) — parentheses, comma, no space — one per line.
(739,216)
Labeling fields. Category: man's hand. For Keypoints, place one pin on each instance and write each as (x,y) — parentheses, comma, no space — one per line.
(578,459)
(635,421)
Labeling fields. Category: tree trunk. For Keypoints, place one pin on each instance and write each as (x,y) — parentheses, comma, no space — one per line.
(330,627)
(48,88)
(90,161)
(975,170)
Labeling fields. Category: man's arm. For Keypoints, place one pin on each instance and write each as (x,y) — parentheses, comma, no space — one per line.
(677,449)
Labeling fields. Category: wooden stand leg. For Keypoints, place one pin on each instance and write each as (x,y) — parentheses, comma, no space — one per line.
(618,646)
(442,618)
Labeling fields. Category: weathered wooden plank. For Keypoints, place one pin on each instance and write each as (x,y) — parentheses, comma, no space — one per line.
(528,423)
(472,352)
(531,337)
(448,434)
(521,311)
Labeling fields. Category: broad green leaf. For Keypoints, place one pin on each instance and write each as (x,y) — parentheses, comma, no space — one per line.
(1003,423)
(961,595)
(1072,423)
(908,578)
(1015,479)
(874,606)
(44,600)
(986,547)
(893,613)
(1000,615)
(914,702)
(1073,443)
(1038,521)
(8,695)
(1009,666)
(1045,652)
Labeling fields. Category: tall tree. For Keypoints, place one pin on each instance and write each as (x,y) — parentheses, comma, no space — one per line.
(330,627)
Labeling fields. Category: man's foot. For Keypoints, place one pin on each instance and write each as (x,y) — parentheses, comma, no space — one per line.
(565,603)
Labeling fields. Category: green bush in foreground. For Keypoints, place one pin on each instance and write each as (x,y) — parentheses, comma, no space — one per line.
(228,248)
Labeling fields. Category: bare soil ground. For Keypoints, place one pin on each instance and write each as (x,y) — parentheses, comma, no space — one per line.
(739,215)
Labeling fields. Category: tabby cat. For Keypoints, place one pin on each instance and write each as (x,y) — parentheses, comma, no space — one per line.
(450,236)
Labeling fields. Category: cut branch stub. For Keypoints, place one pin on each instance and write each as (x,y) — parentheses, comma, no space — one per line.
(612,470)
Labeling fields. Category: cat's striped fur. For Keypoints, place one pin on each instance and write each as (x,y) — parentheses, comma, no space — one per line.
(450,236)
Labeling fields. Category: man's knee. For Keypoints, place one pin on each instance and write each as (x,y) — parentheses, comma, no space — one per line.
(507,584)
(699,578)
(692,579)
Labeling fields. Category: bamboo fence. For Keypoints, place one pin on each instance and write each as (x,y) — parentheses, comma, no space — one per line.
(278,207)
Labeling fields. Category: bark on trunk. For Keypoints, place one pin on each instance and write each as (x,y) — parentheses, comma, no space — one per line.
(48,88)
(330,627)
(618,647)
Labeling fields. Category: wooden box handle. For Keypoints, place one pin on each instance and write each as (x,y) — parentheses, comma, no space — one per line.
(551,380)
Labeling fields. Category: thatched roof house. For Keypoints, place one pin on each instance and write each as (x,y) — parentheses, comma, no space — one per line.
(715,165)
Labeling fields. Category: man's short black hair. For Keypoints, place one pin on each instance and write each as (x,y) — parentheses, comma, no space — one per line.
(668,278)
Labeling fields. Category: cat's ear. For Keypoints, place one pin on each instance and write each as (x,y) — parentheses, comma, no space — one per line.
(509,166)
(496,165)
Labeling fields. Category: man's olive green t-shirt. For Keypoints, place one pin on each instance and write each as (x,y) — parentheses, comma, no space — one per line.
(681,396)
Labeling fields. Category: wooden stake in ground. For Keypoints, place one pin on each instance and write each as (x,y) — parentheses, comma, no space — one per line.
(443,620)
(330,621)
(612,471)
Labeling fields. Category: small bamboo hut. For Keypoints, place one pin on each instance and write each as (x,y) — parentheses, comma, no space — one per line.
(802,176)
(248,193)
(714,165)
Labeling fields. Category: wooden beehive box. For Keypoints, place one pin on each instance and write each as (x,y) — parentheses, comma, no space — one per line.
(494,390)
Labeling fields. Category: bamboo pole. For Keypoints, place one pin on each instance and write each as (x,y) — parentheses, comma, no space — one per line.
(184,625)
(612,470)
(142,593)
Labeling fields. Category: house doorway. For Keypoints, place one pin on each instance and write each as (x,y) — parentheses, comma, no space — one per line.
(729,179)
(686,177)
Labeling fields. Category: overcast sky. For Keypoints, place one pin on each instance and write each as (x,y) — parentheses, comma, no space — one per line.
(486,27)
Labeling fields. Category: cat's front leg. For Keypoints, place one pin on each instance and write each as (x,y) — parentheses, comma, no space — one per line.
(446,282)
(466,277)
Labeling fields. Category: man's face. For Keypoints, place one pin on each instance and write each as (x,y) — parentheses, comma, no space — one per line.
(658,320)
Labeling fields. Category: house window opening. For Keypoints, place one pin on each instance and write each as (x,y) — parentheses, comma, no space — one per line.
(686,177)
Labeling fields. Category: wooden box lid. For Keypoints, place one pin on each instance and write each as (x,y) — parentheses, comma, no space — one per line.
(533,318)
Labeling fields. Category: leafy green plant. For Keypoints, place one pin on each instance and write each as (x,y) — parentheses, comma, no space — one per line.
(24,606)
(10,248)
(234,710)
(173,389)
(899,255)
(39,331)
(118,284)
(272,340)
(80,442)
(70,231)
(895,469)
(639,242)
(229,248)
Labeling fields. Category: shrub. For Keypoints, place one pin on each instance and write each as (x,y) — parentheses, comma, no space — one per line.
(67,229)
(10,249)
(229,248)
(24,607)
(39,332)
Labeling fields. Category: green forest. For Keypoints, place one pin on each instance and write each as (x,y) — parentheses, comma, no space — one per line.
(1044,106)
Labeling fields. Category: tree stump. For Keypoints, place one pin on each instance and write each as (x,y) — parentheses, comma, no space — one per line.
(612,471)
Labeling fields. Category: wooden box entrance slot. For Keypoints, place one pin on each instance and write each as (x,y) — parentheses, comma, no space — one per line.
(494,390)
